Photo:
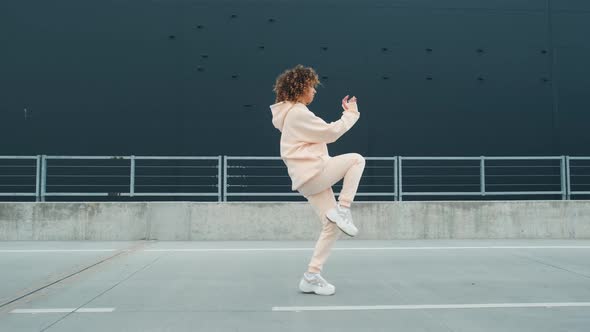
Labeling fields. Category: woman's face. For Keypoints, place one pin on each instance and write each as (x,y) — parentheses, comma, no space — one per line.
(308,95)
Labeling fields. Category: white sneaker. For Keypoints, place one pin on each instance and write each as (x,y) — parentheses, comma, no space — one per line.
(343,219)
(314,283)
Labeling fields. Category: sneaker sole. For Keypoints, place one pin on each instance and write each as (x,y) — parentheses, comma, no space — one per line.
(313,292)
(318,294)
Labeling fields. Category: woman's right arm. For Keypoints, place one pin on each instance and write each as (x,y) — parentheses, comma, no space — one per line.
(308,127)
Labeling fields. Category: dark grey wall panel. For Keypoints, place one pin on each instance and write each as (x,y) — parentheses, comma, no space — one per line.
(571,5)
(572,75)
(177,77)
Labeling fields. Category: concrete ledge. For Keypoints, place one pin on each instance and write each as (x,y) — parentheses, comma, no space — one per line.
(183,221)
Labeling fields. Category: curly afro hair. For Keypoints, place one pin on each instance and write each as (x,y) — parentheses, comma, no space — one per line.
(291,84)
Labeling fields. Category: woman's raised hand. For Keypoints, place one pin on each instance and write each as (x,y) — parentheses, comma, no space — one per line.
(345,102)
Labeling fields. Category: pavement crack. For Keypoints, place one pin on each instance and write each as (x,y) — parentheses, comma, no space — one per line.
(552,265)
(70,275)
(133,249)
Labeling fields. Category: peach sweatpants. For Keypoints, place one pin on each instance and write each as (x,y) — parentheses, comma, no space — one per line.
(318,191)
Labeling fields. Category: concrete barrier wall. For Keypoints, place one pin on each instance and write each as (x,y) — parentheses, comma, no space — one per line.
(184,221)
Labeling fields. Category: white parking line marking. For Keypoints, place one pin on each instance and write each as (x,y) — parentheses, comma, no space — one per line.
(435,306)
(53,250)
(289,249)
(363,248)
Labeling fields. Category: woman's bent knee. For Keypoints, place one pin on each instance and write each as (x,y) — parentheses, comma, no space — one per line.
(359,159)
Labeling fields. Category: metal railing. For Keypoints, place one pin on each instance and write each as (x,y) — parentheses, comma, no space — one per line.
(268,177)
(477,176)
(578,176)
(20,176)
(227,177)
(130,176)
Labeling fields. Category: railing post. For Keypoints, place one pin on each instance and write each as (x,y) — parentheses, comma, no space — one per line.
(43,176)
(219,178)
(132,177)
(38,179)
(569,180)
(399,179)
(564,182)
(482,176)
(225,178)
(395,193)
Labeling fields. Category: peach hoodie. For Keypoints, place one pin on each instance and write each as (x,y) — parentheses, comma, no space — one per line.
(304,138)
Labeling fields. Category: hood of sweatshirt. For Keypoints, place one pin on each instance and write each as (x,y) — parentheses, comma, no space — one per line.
(279,113)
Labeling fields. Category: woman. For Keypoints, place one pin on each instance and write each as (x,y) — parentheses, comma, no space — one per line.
(304,139)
